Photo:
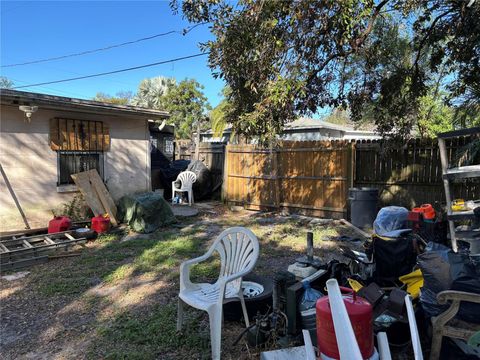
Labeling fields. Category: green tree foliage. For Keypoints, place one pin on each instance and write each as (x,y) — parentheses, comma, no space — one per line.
(150,92)
(467,114)
(220,113)
(5,83)
(186,104)
(434,116)
(282,59)
(120,98)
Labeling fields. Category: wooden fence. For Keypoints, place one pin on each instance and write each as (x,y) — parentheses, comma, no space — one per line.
(211,154)
(409,174)
(312,176)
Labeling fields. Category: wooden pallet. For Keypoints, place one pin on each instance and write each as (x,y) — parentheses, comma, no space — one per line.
(17,252)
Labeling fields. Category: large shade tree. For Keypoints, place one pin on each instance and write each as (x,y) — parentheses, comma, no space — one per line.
(282,59)
(187,106)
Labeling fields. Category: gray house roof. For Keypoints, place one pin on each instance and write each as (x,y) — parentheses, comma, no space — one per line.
(308,124)
(14,97)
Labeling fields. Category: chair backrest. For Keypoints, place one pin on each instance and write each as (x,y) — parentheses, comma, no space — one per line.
(238,248)
(187,178)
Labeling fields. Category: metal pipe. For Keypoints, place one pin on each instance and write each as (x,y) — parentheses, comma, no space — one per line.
(417,347)
(310,246)
(346,340)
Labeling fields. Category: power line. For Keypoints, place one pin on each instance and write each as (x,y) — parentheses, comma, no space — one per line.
(184,32)
(113,72)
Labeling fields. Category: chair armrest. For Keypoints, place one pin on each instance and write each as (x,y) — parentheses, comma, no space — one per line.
(455,295)
(185,269)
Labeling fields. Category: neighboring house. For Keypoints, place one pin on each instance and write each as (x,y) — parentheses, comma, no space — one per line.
(64,136)
(305,129)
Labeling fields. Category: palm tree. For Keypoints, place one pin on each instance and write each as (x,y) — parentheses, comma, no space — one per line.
(151,91)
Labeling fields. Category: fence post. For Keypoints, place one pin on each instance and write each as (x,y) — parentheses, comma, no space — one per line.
(225,174)
(351,158)
(350,165)
(274,153)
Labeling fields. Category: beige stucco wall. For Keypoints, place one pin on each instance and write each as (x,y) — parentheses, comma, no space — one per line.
(31,166)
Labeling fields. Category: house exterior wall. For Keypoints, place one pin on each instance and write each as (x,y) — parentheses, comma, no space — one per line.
(31,166)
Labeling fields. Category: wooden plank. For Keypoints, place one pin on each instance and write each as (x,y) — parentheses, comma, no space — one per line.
(356,229)
(68,236)
(23,263)
(54,135)
(82,180)
(104,196)
(14,197)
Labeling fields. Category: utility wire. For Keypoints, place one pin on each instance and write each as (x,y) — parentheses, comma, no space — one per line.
(184,32)
(112,72)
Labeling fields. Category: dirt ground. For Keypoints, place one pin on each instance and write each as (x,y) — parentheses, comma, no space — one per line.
(117,299)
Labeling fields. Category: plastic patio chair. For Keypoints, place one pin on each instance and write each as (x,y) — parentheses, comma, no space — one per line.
(238,248)
(186,178)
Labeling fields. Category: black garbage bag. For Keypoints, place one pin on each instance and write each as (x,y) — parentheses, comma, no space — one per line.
(202,187)
(444,269)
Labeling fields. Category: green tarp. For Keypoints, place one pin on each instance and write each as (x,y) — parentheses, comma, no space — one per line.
(146,212)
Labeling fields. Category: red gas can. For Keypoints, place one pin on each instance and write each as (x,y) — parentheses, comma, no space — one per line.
(59,223)
(100,224)
(360,313)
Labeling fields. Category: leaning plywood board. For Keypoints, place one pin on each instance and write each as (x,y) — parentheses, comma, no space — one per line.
(96,194)
(86,188)
(103,193)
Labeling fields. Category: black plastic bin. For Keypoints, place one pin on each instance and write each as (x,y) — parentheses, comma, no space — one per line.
(363,206)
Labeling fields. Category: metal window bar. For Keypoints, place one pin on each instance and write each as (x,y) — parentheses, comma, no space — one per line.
(72,162)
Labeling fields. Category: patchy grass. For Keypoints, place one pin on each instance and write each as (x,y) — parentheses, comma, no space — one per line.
(148,336)
(117,300)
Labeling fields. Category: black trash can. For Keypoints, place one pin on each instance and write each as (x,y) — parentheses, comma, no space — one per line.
(363,206)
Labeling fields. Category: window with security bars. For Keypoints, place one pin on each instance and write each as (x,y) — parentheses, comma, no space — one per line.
(72,162)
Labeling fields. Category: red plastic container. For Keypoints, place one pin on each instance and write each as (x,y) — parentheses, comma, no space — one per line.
(360,313)
(100,224)
(426,210)
(59,223)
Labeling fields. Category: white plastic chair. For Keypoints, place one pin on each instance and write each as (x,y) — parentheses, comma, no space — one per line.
(238,249)
(186,178)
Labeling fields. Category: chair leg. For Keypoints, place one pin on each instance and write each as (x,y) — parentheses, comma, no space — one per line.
(173,194)
(436,345)
(190,197)
(215,316)
(244,309)
(181,305)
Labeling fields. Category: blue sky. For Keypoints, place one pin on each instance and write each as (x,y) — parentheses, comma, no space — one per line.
(32,30)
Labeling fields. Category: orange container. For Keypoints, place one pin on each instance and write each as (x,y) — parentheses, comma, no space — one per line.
(426,210)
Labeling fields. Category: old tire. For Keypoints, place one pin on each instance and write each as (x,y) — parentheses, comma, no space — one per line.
(260,289)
